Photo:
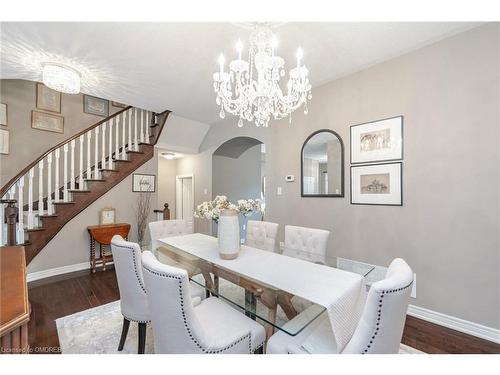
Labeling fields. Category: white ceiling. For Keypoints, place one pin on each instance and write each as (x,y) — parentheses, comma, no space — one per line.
(161,66)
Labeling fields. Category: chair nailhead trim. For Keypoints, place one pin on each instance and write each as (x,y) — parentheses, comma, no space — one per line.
(186,326)
(384,292)
(135,266)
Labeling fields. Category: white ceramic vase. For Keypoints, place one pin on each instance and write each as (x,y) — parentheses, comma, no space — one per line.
(228,233)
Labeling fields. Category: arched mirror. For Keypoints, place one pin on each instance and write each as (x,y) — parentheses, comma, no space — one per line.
(322,169)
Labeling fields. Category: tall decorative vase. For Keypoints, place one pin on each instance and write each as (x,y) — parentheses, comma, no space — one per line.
(229,234)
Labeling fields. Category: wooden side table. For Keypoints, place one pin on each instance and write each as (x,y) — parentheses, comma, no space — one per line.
(102,234)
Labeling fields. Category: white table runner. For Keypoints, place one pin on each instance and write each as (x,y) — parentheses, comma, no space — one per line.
(337,290)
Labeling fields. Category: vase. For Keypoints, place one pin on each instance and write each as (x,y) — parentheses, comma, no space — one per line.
(228,233)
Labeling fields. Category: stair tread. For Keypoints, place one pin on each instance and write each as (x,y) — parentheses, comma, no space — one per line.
(69,202)
(79,191)
(124,160)
(135,152)
(43,216)
(154,125)
(94,179)
(108,170)
(144,143)
(39,229)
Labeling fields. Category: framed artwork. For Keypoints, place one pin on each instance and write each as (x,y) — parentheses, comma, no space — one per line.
(4,142)
(95,106)
(118,105)
(377,184)
(107,216)
(3,114)
(377,141)
(47,99)
(47,122)
(142,183)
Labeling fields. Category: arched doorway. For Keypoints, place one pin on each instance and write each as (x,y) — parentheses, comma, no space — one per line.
(238,173)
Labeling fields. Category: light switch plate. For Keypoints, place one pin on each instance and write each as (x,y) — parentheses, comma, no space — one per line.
(279,191)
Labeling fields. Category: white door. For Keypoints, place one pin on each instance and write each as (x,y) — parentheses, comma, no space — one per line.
(185,200)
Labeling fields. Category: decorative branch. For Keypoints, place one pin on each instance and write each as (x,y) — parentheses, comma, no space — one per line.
(142,214)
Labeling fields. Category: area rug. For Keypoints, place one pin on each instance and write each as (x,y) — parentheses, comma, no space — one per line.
(97,331)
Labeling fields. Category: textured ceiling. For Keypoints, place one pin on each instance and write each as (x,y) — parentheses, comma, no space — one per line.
(161,66)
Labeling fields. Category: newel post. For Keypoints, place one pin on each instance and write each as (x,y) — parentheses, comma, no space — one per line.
(166,212)
(10,219)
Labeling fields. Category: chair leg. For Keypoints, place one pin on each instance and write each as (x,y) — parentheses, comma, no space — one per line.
(260,350)
(142,338)
(126,324)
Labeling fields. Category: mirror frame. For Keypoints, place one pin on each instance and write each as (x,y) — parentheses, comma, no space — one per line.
(342,193)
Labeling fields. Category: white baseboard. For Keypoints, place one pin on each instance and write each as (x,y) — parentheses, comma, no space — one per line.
(461,325)
(33,276)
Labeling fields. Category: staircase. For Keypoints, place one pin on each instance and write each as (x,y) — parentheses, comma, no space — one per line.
(73,174)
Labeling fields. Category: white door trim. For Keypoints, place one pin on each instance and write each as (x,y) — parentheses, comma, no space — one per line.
(178,208)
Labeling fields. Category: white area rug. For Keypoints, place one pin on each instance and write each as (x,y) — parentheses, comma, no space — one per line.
(98,330)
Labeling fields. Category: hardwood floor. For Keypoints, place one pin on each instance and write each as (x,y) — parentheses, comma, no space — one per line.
(67,294)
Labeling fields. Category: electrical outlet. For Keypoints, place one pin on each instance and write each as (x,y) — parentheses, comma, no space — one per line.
(414,287)
(282,245)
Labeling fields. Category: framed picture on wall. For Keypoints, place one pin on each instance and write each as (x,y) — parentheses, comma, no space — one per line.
(143,183)
(107,216)
(95,106)
(3,114)
(47,121)
(4,142)
(377,141)
(48,99)
(377,184)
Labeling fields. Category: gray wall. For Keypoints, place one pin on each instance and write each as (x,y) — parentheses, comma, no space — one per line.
(167,170)
(448,229)
(26,144)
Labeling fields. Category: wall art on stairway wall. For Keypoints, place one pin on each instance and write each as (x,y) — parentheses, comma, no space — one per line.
(3,114)
(47,99)
(376,141)
(95,106)
(47,122)
(377,184)
(143,183)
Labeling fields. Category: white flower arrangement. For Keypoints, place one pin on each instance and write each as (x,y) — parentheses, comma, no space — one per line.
(212,209)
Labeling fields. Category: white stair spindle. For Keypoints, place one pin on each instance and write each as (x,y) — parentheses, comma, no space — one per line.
(72,165)
(103,144)
(30,199)
(20,211)
(49,184)
(40,189)
(129,115)
(142,126)
(89,139)
(136,146)
(65,173)
(80,163)
(123,126)
(117,136)
(57,154)
(110,160)
(147,126)
(96,154)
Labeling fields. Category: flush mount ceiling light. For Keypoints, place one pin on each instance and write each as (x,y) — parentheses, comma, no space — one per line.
(251,89)
(168,155)
(61,78)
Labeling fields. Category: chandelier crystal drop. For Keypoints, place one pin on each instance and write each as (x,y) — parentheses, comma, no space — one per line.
(251,89)
(61,78)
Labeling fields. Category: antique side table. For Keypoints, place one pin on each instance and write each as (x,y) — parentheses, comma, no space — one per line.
(102,234)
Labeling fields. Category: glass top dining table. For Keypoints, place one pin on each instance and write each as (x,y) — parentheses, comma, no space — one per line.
(273,307)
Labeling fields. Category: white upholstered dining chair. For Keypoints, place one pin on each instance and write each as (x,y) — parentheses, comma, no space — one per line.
(179,327)
(379,329)
(261,235)
(166,228)
(306,243)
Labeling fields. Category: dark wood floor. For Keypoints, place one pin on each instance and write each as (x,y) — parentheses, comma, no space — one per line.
(67,294)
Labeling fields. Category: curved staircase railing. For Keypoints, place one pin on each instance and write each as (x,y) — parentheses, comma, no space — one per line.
(52,178)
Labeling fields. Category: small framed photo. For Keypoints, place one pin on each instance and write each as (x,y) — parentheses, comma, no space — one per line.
(118,105)
(95,106)
(47,99)
(4,142)
(377,141)
(3,114)
(47,121)
(377,184)
(107,216)
(143,183)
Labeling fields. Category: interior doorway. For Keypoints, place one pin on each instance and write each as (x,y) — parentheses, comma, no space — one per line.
(184,199)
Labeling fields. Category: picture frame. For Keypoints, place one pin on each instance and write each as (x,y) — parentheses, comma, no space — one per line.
(143,183)
(377,184)
(47,99)
(107,216)
(3,114)
(4,142)
(118,105)
(47,122)
(377,141)
(95,106)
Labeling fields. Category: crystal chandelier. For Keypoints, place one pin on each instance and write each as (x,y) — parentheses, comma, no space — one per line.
(251,90)
(61,78)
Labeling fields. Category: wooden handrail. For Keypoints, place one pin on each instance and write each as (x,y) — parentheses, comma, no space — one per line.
(13,180)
